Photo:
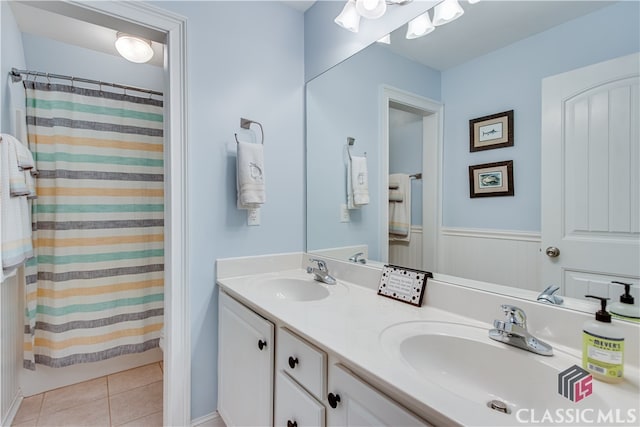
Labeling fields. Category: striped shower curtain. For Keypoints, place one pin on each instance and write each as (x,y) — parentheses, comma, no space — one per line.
(94,289)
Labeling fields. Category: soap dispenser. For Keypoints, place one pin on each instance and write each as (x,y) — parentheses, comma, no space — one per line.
(625,309)
(603,346)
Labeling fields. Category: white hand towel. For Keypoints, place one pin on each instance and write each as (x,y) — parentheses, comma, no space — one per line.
(250,175)
(359,181)
(400,211)
(17,180)
(25,158)
(15,221)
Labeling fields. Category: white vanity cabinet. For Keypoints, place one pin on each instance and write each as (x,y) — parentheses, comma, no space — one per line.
(308,390)
(245,365)
(352,402)
(301,381)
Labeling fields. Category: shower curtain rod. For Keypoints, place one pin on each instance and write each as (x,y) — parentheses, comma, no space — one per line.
(16,76)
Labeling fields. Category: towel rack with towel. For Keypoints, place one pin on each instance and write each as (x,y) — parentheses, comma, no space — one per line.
(416,175)
(246,124)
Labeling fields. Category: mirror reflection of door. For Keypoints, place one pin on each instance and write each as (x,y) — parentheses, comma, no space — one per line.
(405,203)
(412,146)
(590,180)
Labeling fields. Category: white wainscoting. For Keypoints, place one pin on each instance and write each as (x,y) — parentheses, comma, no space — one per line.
(510,258)
(407,254)
(10,348)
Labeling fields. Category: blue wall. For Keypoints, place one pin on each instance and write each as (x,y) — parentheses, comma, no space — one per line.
(344,102)
(511,78)
(245,59)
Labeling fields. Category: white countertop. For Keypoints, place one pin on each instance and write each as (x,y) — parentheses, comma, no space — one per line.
(349,322)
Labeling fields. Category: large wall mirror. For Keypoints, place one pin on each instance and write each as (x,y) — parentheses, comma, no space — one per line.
(407,107)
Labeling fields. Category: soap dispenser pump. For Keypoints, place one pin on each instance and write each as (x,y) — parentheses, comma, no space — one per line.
(603,346)
(625,309)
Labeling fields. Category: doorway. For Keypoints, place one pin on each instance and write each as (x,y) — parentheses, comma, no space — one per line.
(133,16)
(423,117)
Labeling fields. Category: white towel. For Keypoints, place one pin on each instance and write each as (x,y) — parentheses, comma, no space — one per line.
(15,220)
(357,182)
(250,175)
(400,211)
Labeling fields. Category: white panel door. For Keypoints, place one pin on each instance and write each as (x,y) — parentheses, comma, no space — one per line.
(590,176)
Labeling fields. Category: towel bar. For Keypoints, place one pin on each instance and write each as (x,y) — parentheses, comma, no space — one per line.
(246,124)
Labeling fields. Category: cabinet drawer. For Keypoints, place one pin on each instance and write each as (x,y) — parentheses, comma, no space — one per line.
(302,361)
(294,406)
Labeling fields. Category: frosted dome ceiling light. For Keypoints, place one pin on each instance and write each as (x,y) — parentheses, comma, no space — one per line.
(134,48)
(446,12)
(420,26)
(371,9)
(349,18)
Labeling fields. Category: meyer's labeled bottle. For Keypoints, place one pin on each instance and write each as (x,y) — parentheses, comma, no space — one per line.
(603,346)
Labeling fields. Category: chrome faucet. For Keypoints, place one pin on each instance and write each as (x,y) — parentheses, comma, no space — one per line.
(513,331)
(321,274)
(356,258)
(547,295)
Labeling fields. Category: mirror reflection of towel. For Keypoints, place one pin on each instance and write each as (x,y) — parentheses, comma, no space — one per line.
(400,211)
(357,182)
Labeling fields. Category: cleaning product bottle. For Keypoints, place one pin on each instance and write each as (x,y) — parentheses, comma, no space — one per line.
(603,346)
(625,309)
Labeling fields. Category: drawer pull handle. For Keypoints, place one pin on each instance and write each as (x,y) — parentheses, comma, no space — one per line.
(262,344)
(292,424)
(333,400)
(293,362)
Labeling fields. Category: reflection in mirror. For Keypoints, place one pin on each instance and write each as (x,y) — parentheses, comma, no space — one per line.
(471,69)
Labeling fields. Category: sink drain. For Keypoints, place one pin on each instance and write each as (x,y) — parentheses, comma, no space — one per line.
(498,405)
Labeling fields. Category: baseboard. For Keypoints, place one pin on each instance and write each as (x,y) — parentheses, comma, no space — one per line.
(214,416)
(13,410)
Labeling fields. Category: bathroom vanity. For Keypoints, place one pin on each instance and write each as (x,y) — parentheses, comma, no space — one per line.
(294,352)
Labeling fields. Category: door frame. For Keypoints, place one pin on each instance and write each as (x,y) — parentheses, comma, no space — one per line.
(433,123)
(177,351)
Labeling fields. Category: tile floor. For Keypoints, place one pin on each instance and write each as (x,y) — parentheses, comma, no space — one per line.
(129,398)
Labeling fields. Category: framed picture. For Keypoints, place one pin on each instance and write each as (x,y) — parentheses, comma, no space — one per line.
(403,284)
(491,179)
(489,132)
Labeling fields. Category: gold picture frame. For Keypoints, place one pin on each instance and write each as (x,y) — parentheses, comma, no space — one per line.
(491,179)
(489,132)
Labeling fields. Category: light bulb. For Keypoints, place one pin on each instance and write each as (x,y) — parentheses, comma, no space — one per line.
(371,9)
(349,18)
(420,26)
(446,12)
(133,48)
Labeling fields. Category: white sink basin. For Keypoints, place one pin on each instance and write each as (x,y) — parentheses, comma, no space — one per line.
(296,288)
(465,361)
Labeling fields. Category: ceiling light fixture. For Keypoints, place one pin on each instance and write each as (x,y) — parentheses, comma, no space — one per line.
(371,9)
(420,26)
(446,12)
(349,18)
(134,48)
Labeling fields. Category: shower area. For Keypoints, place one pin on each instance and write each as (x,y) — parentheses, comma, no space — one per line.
(92,296)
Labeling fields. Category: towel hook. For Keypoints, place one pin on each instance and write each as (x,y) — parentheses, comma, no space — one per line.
(246,124)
